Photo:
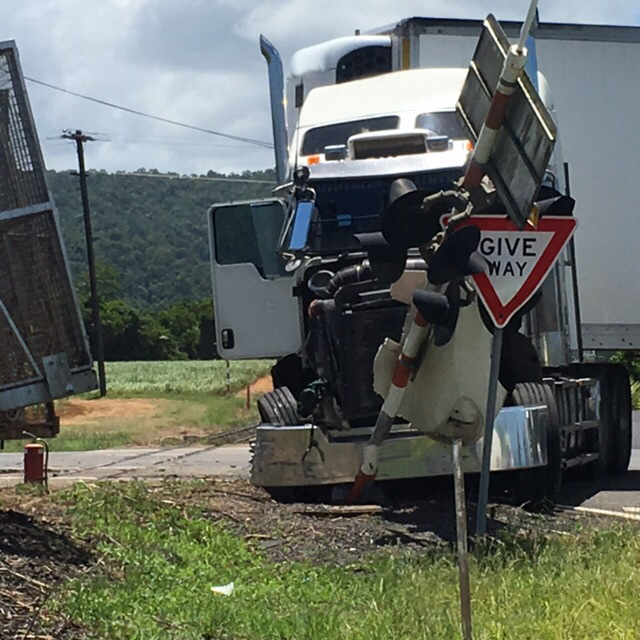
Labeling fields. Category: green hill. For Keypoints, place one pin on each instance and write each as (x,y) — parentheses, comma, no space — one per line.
(151,230)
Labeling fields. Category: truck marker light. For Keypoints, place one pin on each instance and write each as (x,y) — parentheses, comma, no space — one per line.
(313,160)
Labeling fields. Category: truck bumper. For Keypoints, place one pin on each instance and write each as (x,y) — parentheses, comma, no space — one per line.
(306,456)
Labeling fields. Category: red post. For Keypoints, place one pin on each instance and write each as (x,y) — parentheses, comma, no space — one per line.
(34,463)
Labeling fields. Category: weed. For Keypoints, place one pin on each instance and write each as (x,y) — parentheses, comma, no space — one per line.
(166,558)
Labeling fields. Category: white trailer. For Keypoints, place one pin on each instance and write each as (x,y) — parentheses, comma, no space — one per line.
(589,69)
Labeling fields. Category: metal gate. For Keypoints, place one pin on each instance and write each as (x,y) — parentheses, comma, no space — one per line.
(44,352)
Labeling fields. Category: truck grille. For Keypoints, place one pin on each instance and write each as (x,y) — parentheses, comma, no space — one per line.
(362,331)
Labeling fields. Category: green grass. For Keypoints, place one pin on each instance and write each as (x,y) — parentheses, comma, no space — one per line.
(191,396)
(77,440)
(197,413)
(160,562)
(183,376)
(635,394)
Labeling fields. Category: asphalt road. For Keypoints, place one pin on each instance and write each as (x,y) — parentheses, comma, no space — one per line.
(619,494)
(70,466)
(613,493)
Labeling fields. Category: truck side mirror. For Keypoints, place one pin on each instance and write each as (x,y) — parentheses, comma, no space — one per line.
(303,215)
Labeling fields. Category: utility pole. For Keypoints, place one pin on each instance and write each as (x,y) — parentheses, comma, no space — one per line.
(80,138)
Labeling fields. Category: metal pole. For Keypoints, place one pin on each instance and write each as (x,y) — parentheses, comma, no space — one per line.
(461,531)
(574,273)
(483,494)
(80,139)
(532,16)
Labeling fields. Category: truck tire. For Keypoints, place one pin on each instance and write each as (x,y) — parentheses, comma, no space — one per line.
(621,419)
(604,435)
(540,485)
(279,407)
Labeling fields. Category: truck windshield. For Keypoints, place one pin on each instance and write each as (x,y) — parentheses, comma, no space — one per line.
(315,140)
(350,206)
(443,123)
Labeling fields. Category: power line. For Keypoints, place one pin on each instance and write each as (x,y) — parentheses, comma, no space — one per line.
(129,139)
(120,141)
(259,143)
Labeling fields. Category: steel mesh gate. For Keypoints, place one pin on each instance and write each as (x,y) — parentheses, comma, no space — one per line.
(44,352)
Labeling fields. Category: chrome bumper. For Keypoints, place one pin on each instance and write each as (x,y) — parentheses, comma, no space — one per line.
(304,455)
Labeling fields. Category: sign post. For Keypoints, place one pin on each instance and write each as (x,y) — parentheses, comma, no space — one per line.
(483,491)
(461,532)
(517,264)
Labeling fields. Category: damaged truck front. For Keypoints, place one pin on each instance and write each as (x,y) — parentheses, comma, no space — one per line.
(323,277)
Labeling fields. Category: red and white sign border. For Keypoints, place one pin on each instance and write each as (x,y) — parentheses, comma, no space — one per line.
(562,228)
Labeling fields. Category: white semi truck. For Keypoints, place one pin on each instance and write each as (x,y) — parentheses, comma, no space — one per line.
(368,129)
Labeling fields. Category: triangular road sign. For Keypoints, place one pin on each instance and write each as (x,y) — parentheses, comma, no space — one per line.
(517,261)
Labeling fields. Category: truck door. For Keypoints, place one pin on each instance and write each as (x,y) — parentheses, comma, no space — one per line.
(256,314)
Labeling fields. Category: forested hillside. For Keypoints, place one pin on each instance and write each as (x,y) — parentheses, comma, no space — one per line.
(152,253)
(151,230)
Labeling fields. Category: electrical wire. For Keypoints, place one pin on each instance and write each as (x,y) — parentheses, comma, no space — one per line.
(259,143)
(171,142)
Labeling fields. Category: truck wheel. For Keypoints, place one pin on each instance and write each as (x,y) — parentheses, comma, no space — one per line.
(540,484)
(599,467)
(621,424)
(278,407)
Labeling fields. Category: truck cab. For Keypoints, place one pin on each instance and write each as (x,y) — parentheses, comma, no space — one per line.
(351,142)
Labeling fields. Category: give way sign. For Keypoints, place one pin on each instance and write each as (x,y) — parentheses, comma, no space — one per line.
(517,261)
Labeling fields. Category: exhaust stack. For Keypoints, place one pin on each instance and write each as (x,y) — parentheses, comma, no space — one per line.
(278,116)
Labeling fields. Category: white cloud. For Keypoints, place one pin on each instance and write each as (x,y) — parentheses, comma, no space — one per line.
(198,61)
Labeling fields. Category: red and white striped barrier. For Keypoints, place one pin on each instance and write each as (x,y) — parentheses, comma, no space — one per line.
(401,376)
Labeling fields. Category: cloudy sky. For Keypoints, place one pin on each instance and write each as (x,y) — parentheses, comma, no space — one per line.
(198,62)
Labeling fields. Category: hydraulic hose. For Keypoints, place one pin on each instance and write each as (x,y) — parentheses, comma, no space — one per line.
(349,275)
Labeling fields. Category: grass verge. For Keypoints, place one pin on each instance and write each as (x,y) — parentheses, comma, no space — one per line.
(635,394)
(161,561)
(165,420)
(152,403)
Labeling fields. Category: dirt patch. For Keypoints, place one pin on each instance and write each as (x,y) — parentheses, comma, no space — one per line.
(34,557)
(145,421)
(262,385)
(339,536)
(76,411)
